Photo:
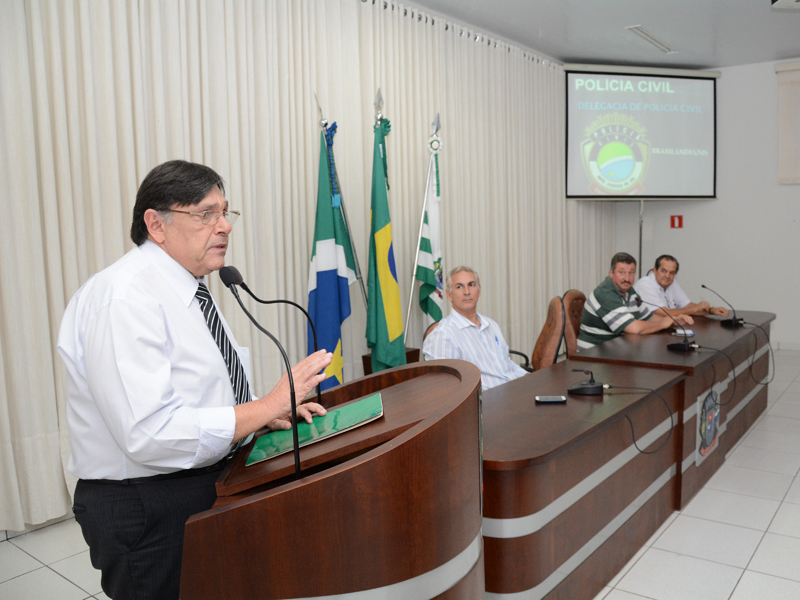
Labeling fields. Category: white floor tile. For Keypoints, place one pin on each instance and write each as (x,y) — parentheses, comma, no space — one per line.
(757,586)
(616,579)
(760,484)
(717,542)
(777,555)
(760,459)
(664,526)
(734,509)
(53,543)
(778,425)
(14,562)
(787,521)
(668,576)
(790,397)
(786,371)
(793,387)
(785,409)
(79,570)
(621,595)
(779,386)
(773,396)
(782,442)
(42,584)
(793,495)
(603,593)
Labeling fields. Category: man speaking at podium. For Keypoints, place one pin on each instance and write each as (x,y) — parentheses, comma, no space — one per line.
(157,388)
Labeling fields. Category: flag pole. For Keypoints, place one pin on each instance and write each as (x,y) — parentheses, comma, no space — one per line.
(419,240)
(347,226)
(323,123)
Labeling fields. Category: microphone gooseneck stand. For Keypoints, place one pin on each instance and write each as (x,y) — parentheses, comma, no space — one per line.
(685,345)
(731,323)
(228,280)
(239,280)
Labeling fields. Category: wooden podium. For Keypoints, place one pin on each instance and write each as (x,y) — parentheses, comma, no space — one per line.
(388,510)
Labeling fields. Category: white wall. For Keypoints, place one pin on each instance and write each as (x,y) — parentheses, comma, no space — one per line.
(746,243)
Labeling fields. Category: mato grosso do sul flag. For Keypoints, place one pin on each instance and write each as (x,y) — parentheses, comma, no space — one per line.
(332,266)
(384,315)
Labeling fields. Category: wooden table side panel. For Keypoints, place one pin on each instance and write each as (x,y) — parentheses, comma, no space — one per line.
(604,563)
(521,492)
(730,398)
(521,563)
(518,564)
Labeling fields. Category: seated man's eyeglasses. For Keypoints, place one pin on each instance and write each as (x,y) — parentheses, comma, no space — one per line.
(207,217)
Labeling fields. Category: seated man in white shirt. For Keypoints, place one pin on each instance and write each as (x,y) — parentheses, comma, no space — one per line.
(469,335)
(659,288)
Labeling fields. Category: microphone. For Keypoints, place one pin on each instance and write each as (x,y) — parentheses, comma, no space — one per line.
(586,388)
(229,279)
(232,274)
(685,345)
(731,323)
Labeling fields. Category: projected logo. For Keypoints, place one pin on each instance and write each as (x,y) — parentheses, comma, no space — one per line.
(615,155)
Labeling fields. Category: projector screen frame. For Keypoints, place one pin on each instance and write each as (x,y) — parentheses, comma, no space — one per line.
(644,72)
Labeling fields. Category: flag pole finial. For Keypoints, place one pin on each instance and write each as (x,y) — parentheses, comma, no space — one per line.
(436,125)
(378,106)
(323,122)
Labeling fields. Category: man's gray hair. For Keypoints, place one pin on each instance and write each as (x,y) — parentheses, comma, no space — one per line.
(459,270)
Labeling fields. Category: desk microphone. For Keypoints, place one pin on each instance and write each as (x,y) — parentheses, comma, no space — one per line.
(228,276)
(235,277)
(586,388)
(685,345)
(731,323)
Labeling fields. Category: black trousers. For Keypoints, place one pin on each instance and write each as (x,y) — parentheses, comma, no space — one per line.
(134,529)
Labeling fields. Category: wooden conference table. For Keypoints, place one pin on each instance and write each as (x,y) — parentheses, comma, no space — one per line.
(568,498)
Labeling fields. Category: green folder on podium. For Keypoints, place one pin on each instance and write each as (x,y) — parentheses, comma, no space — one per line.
(336,421)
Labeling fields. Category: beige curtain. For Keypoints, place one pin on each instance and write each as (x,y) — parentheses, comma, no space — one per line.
(93,94)
(788,122)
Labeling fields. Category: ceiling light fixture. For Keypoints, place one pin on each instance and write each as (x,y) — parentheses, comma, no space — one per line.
(651,39)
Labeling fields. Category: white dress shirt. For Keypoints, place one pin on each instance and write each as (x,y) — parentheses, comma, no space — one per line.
(650,291)
(457,337)
(148,391)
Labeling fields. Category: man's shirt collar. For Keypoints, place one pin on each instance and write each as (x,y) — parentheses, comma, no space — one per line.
(182,281)
(463,322)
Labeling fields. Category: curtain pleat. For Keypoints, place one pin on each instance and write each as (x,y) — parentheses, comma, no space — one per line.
(95,94)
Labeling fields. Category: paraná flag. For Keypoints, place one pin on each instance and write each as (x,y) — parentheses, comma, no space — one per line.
(429,263)
(332,265)
(384,316)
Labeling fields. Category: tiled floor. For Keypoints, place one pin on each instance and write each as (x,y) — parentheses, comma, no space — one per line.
(48,564)
(739,539)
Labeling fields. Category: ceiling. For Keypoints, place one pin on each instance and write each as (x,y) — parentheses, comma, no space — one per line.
(705,33)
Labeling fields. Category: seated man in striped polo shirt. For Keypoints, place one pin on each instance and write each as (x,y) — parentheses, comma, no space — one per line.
(614,308)
(469,335)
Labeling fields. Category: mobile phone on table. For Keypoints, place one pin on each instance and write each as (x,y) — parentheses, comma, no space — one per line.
(549,399)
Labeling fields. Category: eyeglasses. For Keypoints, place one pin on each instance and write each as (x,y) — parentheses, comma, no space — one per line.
(208,217)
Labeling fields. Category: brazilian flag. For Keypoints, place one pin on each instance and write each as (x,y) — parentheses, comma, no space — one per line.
(384,315)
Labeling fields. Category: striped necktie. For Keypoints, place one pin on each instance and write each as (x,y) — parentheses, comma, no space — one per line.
(241,389)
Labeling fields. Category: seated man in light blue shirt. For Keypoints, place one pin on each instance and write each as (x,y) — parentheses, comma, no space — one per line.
(469,335)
